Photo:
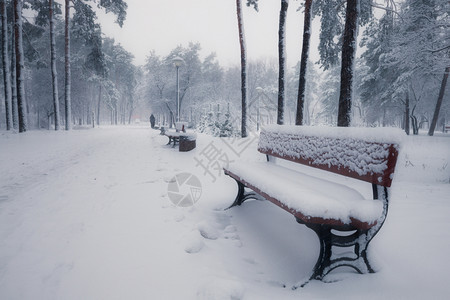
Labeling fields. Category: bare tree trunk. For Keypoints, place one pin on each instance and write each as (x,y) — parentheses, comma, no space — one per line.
(116,114)
(15,109)
(414,122)
(67,78)
(130,114)
(439,102)
(303,63)
(243,68)
(172,119)
(6,70)
(407,125)
(282,61)
(348,57)
(20,66)
(99,103)
(49,119)
(415,125)
(53,67)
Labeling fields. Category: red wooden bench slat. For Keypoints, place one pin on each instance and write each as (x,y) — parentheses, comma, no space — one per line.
(383,177)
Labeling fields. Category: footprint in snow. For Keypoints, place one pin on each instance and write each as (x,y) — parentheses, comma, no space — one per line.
(276,283)
(207,231)
(250,261)
(230,229)
(151,181)
(194,243)
(178,218)
(220,288)
(230,233)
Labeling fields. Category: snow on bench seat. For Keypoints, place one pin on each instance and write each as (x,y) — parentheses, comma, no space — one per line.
(307,196)
(178,134)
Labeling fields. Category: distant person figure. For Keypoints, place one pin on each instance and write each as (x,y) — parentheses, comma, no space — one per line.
(152,121)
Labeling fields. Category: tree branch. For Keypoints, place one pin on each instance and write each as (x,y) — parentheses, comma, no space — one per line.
(438,50)
(386,9)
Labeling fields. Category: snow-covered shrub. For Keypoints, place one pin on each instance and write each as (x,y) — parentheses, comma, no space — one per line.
(216,124)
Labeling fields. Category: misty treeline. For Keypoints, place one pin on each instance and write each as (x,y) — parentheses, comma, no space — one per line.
(398,77)
(208,90)
(69,72)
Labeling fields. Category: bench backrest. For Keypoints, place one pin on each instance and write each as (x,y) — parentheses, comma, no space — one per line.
(367,154)
(181,126)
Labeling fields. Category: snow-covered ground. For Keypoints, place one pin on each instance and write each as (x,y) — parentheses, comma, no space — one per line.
(87,214)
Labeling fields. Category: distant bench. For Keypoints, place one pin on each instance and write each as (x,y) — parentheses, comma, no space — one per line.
(186,141)
(446,128)
(338,214)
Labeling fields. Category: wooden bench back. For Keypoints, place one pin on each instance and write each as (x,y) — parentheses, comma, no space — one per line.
(345,151)
(181,126)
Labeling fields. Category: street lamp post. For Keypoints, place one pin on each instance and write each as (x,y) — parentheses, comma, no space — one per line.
(178,61)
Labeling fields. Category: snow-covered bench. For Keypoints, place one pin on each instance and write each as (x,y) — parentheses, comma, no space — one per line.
(174,136)
(338,214)
(446,128)
(186,140)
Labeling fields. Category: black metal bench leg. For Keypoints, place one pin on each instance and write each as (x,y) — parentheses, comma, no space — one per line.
(242,195)
(327,240)
(359,240)
(324,259)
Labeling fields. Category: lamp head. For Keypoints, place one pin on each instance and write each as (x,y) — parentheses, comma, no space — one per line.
(178,61)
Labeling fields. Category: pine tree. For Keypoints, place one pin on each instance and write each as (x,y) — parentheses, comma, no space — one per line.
(348,57)
(331,28)
(421,50)
(23,124)
(377,77)
(84,20)
(226,128)
(15,106)
(6,69)
(439,102)
(53,66)
(243,67)
(282,61)
(303,63)
(281,57)
(67,77)
(406,54)
(335,36)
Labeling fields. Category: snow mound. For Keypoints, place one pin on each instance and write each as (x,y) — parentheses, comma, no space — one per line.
(207,231)
(220,288)
(193,243)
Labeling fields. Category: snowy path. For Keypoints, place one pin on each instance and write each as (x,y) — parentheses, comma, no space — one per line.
(93,208)
(85,215)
